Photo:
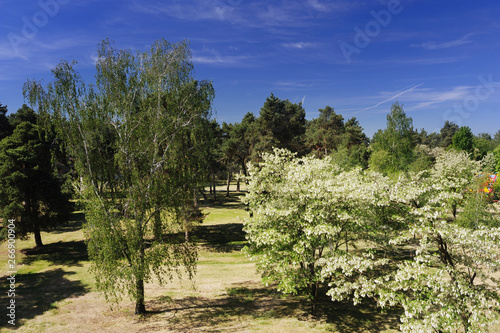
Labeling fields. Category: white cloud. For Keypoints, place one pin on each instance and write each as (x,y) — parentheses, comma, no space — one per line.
(193,10)
(256,13)
(426,97)
(392,97)
(298,45)
(319,6)
(444,45)
(422,98)
(223,60)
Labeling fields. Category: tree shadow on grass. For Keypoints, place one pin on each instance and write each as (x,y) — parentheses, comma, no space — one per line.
(61,253)
(220,237)
(233,201)
(35,293)
(244,303)
(232,309)
(75,223)
(363,317)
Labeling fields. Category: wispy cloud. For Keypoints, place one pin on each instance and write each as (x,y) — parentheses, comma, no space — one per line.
(427,97)
(391,98)
(330,6)
(193,10)
(298,45)
(222,60)
(7,53)
(423,61)
(432,45)
(294,84)
(256,13)
(322,7)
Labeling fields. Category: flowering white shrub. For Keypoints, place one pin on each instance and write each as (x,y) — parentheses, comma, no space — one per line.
(302,214)
(309,215)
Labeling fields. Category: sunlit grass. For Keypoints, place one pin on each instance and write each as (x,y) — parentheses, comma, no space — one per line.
(56,291)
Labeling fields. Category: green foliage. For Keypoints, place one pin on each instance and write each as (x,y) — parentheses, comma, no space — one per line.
(476,212)
(464,139)
(25,113)
(137,137)
(380,161)
(488,163)
(307,211)
(239,140)
(496,154)
(423,159)
(495,141)
(448,284)
(447,132)
(328,134)
(397,140)
(5,126)
(281,124)
(29,191)
(482,145)
(292,225)
(324,134)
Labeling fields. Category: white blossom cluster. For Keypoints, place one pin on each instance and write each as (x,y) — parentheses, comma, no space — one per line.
(367,235)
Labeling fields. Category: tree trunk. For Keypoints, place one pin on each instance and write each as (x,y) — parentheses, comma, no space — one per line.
(314,288)
(186,230)
(314,294)
(244,168)
(36,232)
(204,195)
(229,178)
(213,183)
(346,243)
(210,184)
(38,237)
(195,198)
(238,185)
(140,308)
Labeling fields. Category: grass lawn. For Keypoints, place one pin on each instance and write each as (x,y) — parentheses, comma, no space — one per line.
(55,293)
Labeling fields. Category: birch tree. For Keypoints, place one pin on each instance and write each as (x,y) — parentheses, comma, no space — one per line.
(125,134)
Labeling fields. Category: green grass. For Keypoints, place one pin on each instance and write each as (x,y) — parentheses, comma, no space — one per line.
(55,290)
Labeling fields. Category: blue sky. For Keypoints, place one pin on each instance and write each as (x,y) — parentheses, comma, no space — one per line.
(438,58)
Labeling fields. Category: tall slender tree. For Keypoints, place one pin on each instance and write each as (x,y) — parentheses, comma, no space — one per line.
(131,135)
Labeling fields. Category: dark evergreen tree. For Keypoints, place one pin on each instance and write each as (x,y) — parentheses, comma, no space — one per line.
(447,132)
(29,191)
(325,133)
(282,124)
(5,127)
(25,113)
